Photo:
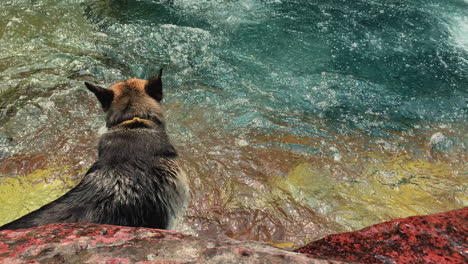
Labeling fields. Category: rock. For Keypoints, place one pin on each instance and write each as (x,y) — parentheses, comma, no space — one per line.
(93,243)
(437,238)
(385,188)
(440,142)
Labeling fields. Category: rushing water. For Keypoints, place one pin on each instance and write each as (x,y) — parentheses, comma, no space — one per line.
(295,118)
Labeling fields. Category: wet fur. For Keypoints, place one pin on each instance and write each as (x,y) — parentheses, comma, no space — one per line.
(136,180)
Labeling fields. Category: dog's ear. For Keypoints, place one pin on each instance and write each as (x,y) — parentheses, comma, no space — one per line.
(154,87)
(104,95)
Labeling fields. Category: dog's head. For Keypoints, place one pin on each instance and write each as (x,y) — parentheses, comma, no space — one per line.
(133,98)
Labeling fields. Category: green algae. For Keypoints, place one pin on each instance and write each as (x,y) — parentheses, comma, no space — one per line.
(384,190)
(22,194)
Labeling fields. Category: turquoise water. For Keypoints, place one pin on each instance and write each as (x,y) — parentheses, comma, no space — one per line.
(253,89)
(372,65)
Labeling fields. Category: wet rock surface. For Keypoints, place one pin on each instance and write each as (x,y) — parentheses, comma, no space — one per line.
(438,238)
(92,243)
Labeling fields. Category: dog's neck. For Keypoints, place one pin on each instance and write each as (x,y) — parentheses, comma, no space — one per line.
(136,122)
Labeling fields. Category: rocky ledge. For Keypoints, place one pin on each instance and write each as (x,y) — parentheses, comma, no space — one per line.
(93,243)
(439,238)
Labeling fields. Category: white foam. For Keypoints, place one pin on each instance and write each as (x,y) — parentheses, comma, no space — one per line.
(227,11)
(459,30)
(242,142)
(437,138)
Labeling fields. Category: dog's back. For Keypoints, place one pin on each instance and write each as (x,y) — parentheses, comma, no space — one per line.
(136,180)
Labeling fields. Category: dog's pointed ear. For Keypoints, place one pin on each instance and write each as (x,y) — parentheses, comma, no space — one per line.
(104,95)
(154,87)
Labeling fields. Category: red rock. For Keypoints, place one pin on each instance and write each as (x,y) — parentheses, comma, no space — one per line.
(93,243)
(439,238)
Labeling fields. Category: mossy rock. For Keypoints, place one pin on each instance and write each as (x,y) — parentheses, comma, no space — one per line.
(22,194)
(386,189)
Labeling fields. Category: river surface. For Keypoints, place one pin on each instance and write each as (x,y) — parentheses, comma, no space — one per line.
(295,119)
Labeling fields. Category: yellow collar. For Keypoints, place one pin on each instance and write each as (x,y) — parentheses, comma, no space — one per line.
(137,122)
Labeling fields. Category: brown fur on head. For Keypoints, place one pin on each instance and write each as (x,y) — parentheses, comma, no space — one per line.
(132,98)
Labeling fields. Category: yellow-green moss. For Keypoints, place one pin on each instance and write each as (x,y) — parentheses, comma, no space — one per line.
(23,194)
(386,189)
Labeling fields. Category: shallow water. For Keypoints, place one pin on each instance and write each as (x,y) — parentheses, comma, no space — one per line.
(295,119)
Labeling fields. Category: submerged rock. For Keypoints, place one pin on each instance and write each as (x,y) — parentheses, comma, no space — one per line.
(384,188)
(93,243)
(438,238)
(440,143)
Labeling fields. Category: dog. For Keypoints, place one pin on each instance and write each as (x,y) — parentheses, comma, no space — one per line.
(136,180)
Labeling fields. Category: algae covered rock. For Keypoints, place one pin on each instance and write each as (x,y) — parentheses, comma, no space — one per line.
(21,194)
(385,188)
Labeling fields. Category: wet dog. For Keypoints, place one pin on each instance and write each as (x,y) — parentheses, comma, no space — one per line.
(136,180)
